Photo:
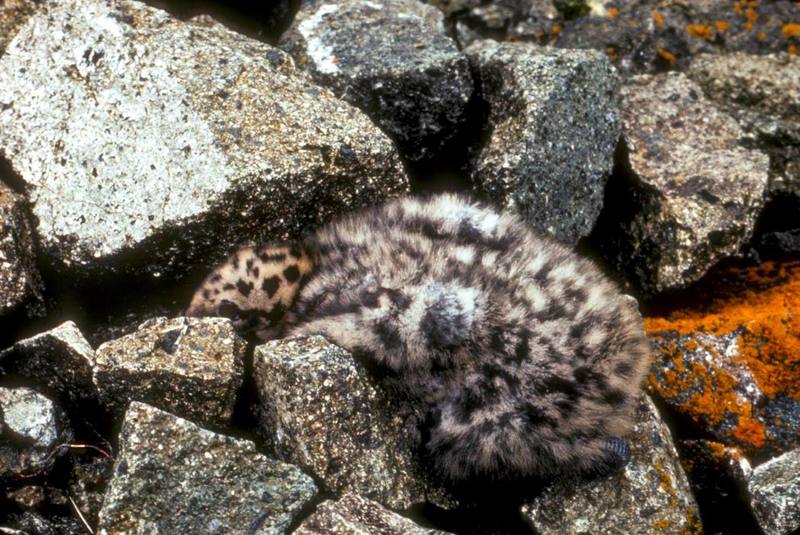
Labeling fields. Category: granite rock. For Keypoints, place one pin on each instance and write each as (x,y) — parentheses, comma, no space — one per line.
(171,476)
(391,58)
(149,146)
(775,494)
(190,366)
(13,14)
(553,124)
(325,414)
(20,282)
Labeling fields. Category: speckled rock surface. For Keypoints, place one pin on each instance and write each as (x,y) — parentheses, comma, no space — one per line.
(150,145)
(554,125)
(775,494)
(691,194)
(60,359)
(20,282)
(13,14)
(650,495)
(326,416)
(354,515)
(31,426)
(173,477)
(190,366)
(392,59)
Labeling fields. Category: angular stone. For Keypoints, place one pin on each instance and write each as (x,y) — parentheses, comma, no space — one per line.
(650,495)
(60,359)
(690,195)
(13,14)
(775,494)
(391,58)
(171,476)
(354,515)
(554,126)
(150,146)
(190,366)
(325,414)
(20,282)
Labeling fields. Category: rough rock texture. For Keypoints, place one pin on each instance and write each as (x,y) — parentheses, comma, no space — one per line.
(554,125)
(730,362)
(60,359)
(13,14)
(20,283)
(190,366)
(171,476)
(650,495)
(31,426)
(327,416)
(354,515)
(775,494)
(150,145)
(392,59)
(690,195)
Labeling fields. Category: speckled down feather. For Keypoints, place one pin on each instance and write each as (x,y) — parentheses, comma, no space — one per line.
(516,356)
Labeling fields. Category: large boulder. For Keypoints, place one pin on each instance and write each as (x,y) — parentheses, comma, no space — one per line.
(775,494)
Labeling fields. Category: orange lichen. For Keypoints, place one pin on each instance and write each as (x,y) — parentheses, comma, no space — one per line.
(612,53)
(721,25)
(658,19)
(751,15)
(792,49)
(612,12)
(700,31)
(792,29)
(556,29)
(762,36)
(667,55)
(748,26)
(662,525)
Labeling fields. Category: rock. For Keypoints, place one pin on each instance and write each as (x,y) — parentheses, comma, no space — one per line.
(29,523)
(27,497)
(150,146)
(775,494)
(554,125)
(87,482)
(171,476)
(13,14)
(60,359)
(391,58)
(31,427)
(326,415)
(354,515)
(650,495)
(190,366)
(687,196)
(730,363)
(20,282)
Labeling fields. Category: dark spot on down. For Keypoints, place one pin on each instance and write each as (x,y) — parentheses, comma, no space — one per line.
(244,287)
(291,273)
(271,285)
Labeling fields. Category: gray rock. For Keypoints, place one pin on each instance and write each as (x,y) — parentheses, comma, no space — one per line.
(354,515)
(60,359)
(691,195)
(325,414)
(13,14)
(554,126)
(650,495)
(20,282)
(171,476)
(775,494)
(31,427)
(190,366)
(391,58)
(150,146)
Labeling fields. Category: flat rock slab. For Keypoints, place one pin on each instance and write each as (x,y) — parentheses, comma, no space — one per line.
(692,193)
(391,58)
(150,145)
(60,359)
(324,413)
(775,494)
(173,477)
(20,282)
(354,515)
(189,366)
(553,124)
(650,495)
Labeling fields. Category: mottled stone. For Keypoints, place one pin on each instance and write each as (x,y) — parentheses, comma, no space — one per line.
(149,145)
(650,495)
(553,127)
(30,522)
(354,515)
(20,282)
(190,366)
(775,494)
(391,58)
(688,194)
(171,476)
(60,359)
(13,14)
(87,482)
(325,414)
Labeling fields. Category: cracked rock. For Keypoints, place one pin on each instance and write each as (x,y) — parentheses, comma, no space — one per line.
(20,282)
(325,414)
(150,146)
(553,125)
(650,495)
(775,494)
(190,366)
(173,477)
(391,58)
